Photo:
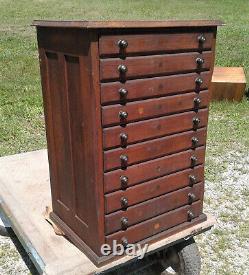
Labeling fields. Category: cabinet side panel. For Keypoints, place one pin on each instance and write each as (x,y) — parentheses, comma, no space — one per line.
(72,111)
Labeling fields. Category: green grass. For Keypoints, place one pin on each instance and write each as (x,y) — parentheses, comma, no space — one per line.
(21,113)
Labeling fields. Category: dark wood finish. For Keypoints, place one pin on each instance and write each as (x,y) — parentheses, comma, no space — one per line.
(136,153)
(151,208)
(153,188)
(153,168)
(141,66)
(154,148)
(127,24)
(153,87)
(152,128)
(150,108)
(157,224)
(152,43)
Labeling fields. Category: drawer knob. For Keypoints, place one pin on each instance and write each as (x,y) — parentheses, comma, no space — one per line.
(199,61)
(124,181)
(191,197)
(123,115)
(195,141)
(124,223)
(123,92)
(123,138)
(124,242)
(122,44)
(124,160)
(192,180)
(191,215)
(122,69)
(124,202)
(196,122)
(201,38)
(198,81)
(193,160)
(197,101)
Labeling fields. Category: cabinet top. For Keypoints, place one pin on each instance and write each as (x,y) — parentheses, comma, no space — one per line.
(127,24)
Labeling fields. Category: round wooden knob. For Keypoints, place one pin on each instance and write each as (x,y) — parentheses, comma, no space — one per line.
(124,223)
(199,61)
(191,197)
(198,81)
(201,38)
(192,180)
(122,44)
(124,181)
(195,141)
(122,68)
(124,202)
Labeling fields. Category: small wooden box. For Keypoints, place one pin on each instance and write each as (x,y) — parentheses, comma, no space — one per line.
(228,83)
(126,108)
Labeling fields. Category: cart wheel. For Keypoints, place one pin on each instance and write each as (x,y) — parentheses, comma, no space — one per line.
(182,259)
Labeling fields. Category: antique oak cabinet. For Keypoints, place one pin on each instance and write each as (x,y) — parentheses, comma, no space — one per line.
(126,109)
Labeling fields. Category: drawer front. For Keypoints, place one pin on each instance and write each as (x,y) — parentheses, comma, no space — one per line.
(153,65)
(157,127)
(154,207)
(153,87)
(153,188)
(151,43)
(154,148)
(150,108)
(154,168)
(156,225)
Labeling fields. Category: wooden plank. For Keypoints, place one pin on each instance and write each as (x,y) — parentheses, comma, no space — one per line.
(153,87)
(153,128)
(153,188)
(228,83)
(154,148)
(152,43)
(146,109)
(144,66)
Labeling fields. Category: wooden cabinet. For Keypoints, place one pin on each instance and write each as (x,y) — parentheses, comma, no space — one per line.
(126,108)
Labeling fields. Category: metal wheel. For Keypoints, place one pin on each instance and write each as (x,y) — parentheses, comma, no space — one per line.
(182,259)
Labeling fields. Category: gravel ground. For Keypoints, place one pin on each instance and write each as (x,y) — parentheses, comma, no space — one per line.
(224,249)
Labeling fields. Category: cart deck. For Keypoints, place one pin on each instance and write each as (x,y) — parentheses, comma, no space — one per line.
(24,195)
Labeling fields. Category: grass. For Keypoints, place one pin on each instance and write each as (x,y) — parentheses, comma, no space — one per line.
(21,112)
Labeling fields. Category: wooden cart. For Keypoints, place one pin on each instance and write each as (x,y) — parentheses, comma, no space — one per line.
(24,195)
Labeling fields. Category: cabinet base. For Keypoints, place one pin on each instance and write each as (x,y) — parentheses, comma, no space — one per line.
(101,260)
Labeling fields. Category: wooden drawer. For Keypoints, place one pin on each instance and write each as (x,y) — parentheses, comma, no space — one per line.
(154,148)
(153,87)
(153,65)
(152,43)
(153,188)
(150,108)
(157,224)
(153,128)
(153,169)
(151,208)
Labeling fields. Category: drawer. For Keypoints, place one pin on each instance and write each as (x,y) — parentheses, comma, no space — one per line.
(111,69)
(153,87)
(121,220)
(139,110)
(154,148)
(153,169)
(152,43)
(153,188)
(153,128)
(157,224)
